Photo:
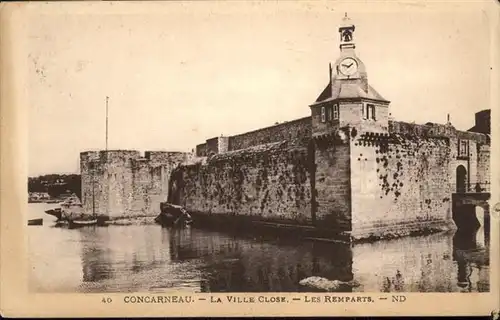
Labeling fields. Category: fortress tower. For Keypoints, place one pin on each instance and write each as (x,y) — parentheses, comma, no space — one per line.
(348,100)
(122,183)
(345,109)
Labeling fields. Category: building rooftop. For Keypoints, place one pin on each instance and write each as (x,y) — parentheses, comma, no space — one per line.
(348,90)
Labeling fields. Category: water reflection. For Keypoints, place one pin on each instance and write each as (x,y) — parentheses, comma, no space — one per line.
(150,258)
(96,259)
(420,264)
(230,263)
(472,259)
(132,258)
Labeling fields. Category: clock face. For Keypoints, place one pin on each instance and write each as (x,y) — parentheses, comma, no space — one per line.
(348,66)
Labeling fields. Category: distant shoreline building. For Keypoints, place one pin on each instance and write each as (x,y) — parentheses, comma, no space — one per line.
(346,169)
(38,196)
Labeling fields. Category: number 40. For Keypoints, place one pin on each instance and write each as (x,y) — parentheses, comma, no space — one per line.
(106,300)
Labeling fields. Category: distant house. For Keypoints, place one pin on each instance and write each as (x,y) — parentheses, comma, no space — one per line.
(38,196)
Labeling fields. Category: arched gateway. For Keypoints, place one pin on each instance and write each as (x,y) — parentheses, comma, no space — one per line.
(461,179)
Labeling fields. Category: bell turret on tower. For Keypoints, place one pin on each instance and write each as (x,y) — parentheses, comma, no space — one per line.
(348,100)
(346,32)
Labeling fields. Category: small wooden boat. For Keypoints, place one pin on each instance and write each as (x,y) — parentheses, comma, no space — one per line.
(69,207)
(61,223)
(35,222)
(56,212)
(82,223)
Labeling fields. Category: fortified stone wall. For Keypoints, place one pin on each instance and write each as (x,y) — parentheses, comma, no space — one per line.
(161,165)
(296,131)
(349,179)
(270,182)
(483,165)
(142,182)
(475,141)
(212,146)
(201,150)
(118,173)
(89,163)
(399,183)
(473,162)
(332,197)
(223,144)
(409,175)
(122,183)
(105,177)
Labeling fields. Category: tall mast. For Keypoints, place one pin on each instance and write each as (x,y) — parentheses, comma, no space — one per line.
(93,192)
(107,98)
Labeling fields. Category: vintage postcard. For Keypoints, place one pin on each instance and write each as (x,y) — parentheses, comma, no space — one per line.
(249,158)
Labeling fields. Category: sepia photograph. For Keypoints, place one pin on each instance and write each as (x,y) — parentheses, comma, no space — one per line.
(258,147)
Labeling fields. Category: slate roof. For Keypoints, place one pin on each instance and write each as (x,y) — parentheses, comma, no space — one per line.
(342,89)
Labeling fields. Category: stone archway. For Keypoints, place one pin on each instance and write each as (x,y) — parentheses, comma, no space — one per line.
(461,179)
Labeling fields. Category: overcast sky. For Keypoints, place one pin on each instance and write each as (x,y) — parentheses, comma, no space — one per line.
(185,72)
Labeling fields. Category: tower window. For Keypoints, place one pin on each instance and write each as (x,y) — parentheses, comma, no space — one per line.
(368,111)
(335,111)
(463,148)
(371,110)
(323,116)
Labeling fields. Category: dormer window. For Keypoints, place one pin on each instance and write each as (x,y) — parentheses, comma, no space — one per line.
(368,111)
(323,114)
(335,111)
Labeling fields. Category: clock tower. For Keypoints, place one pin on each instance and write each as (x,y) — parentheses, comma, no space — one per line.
(348,101)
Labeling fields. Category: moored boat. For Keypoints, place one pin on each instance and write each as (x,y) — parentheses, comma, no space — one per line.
(69,207)
(56,212)
(77,223)
(35,222)
(61,223)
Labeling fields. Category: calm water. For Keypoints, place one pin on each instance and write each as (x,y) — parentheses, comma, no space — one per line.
(155,259)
